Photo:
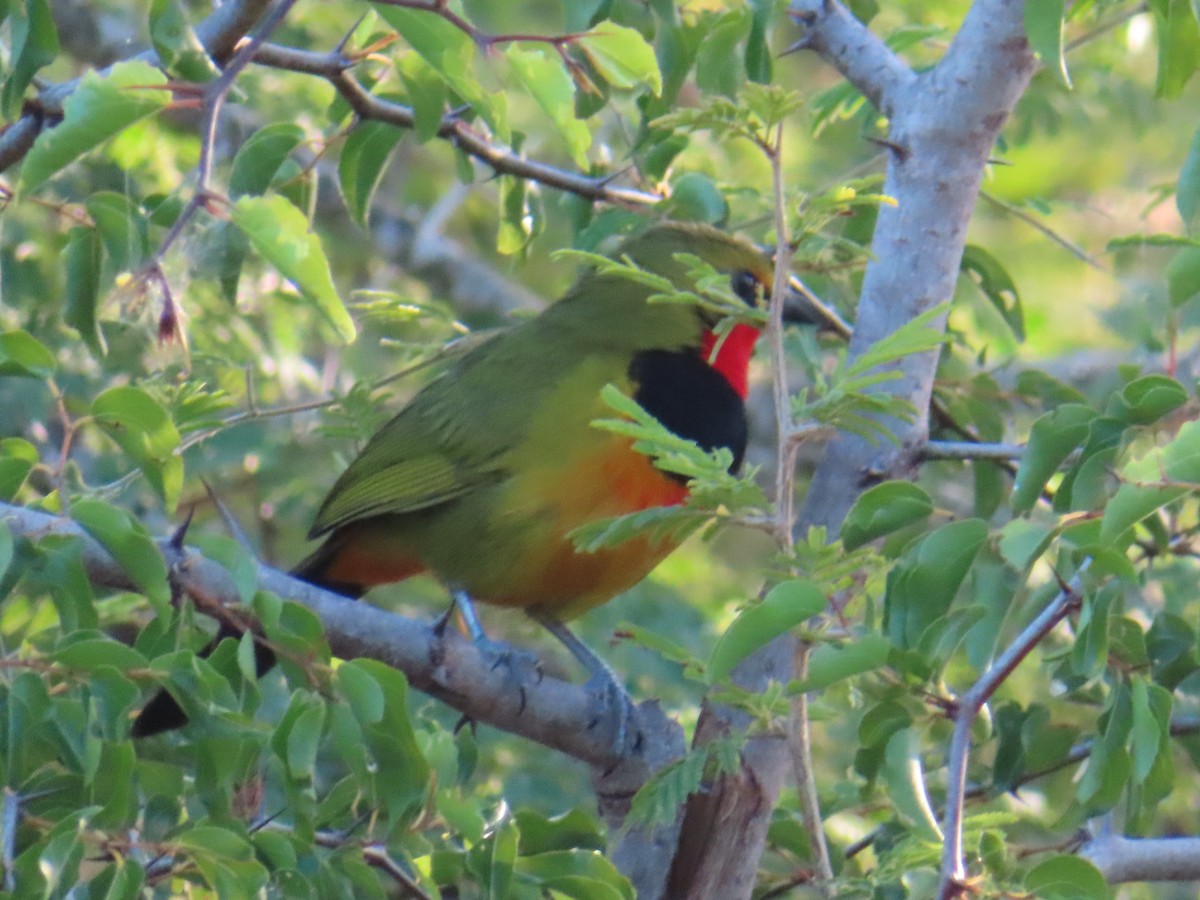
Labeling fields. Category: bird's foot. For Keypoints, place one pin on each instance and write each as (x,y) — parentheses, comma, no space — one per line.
(522,668)
(611,694)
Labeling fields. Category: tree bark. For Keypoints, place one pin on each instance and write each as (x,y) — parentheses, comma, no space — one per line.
(943,125)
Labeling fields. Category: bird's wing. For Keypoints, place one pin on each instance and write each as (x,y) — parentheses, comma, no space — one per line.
(455,436)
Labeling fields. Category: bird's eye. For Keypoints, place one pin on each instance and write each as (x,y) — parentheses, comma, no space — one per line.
(747,287)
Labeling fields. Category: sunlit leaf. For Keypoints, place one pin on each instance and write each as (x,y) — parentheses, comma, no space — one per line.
(100,107)
(281,233)
(622,56)
(785,606)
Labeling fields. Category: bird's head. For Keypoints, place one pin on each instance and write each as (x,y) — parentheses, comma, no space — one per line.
(663,249)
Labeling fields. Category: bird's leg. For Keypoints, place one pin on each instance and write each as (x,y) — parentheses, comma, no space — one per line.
(602,679)
(522,667)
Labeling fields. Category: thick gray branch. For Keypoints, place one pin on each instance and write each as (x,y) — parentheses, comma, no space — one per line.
(1124,860)
(943,124)
(943,127)
(553,712)
(831,31)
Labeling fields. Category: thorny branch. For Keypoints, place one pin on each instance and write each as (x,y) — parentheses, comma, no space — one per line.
(965,709)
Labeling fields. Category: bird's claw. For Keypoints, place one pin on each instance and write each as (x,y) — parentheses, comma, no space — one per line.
(523,668)
(611,695)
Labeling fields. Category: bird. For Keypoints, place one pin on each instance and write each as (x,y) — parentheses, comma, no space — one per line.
(482,477)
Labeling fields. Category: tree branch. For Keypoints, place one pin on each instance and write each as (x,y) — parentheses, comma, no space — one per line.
(334,68)
(552,712)
(219,33)
(969,450)
(831,31)
(943,126)
(967,707)
(1124,859)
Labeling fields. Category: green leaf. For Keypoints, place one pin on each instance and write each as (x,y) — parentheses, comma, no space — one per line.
(362,163)
(1178,45)
(214,841)
(1147,399)
(696,198)
(130,546)
(93,653)
(622,56)
(506,840)
(1187,189)
(1151,726)
(6,548)
(1023,542)
(261,158)
(993,279)
(304,740)
(1089,652)
(1053,438)
(235,558)
(520,215)
(100,107)
(17,459)
(542,834)
(450,52)
(1147,486)
(719,68)
(176,43)
(34,43)
(831,663)
(1183,275)
(785,606)
(905,779)
(361,691)
(82,259)
(1066,878)
(548,82)
(122,228)
(1044,28)
(279,231)
(922,584)
(758,51)
(426,95)
(144,430)
(23,356)
(883,509)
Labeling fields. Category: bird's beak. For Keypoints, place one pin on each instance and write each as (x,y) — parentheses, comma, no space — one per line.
(802,307)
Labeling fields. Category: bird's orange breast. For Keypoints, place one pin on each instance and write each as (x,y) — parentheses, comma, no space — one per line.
(612,481)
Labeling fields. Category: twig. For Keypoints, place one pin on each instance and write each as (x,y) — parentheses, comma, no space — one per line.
(967,707)
(969,450)
(799,732)
(785,515)
(800,744)
(500,158)
(1034,222)
(1105,27)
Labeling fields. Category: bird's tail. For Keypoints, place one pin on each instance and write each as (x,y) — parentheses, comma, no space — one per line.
(163,712)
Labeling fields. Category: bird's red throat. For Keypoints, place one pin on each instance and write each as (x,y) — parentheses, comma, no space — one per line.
(733,354)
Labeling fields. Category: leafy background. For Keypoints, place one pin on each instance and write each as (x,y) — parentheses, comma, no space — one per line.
(116,403)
